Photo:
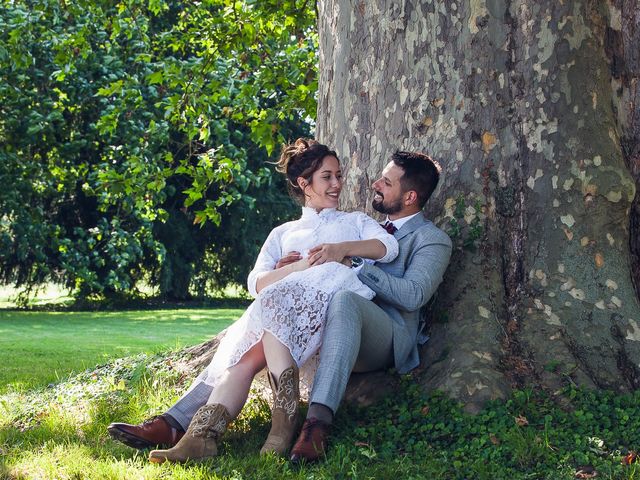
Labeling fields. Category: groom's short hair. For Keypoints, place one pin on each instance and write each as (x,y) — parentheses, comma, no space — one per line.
(421,173)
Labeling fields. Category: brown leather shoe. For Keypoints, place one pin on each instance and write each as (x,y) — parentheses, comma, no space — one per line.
(312,442)
(155,432)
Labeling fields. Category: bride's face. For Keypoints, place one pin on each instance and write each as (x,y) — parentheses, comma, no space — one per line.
(326,184)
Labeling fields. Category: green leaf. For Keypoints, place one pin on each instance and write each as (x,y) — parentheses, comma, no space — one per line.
(155,77)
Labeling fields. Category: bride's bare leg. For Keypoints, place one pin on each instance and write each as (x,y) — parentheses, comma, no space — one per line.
(233,389)
(277,356)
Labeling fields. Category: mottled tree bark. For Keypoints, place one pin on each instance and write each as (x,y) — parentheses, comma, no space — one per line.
(622,44)
(530,106)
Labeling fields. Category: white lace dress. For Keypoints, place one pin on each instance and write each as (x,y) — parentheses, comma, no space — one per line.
(293,309)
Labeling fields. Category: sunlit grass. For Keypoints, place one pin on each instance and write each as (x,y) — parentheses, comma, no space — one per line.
(37,348)
(60,433)
(49,294)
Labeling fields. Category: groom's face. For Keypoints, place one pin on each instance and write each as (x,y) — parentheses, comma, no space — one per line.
(387,191)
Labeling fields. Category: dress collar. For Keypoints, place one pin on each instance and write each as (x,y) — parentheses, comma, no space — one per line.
(325,213)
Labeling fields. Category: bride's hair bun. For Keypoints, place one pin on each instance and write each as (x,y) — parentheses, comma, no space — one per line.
(301,159)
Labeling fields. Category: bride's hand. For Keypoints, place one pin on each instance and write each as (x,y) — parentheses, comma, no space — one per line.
(300,265)
(327,252)
(288,258)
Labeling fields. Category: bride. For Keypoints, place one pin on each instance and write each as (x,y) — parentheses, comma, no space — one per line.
(283,327)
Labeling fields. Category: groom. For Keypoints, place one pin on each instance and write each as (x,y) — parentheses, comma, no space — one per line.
(360,335)
(364,335)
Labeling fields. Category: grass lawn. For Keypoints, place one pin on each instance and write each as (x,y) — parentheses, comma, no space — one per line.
(59,431)
(38,348)
(48,294)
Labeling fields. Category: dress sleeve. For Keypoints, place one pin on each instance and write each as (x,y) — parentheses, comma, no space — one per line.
(370,229)
(269,255)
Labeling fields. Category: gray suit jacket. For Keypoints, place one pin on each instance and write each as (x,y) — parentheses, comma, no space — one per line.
(406,284)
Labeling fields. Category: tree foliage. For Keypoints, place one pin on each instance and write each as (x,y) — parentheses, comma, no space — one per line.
(125,123)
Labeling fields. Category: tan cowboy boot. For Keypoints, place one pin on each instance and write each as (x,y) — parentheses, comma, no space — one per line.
(285,413)
(200,442)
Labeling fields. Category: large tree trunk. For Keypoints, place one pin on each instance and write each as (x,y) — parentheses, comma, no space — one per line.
(530,108)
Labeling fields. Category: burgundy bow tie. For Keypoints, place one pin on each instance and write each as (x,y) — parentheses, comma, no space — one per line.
(389,227)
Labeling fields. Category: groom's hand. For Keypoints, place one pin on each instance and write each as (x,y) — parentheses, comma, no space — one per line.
(327,252)
(289,258)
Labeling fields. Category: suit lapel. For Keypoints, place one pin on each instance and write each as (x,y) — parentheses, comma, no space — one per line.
(410,226)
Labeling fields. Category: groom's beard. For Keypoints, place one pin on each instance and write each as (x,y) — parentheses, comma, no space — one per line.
(388,209)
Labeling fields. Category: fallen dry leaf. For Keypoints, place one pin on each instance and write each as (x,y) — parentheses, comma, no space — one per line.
(629,458)
(587,471)
(494,439)
(521,421)
(425,410)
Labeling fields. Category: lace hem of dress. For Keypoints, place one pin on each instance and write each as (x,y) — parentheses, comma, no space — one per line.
(293,310)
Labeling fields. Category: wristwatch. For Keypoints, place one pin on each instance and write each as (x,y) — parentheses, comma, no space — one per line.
(356,262)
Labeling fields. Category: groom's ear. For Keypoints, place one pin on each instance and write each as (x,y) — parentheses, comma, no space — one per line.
(410,197)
